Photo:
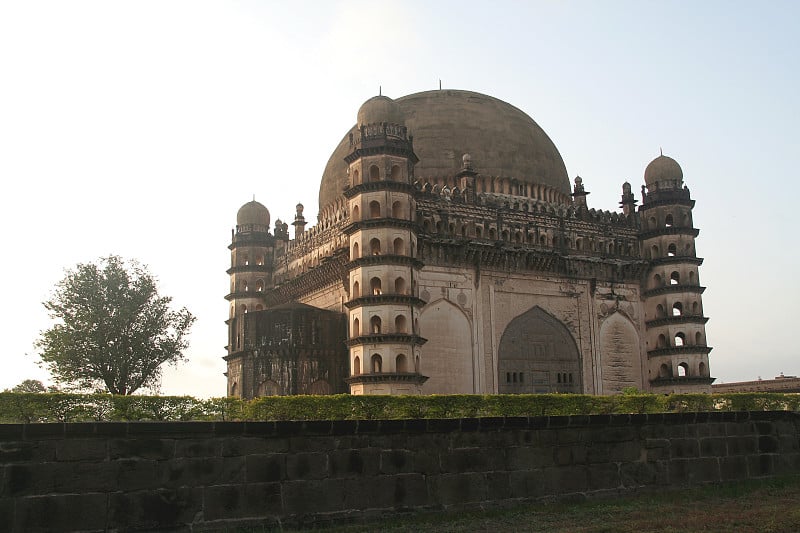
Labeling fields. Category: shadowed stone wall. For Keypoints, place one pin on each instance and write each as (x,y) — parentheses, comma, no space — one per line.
(196,476)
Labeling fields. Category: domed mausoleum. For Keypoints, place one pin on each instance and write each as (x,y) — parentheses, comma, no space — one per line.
(452,254)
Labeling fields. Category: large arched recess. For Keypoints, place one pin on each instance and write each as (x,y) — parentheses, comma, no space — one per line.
(537,354)
(447,356)
(620,357)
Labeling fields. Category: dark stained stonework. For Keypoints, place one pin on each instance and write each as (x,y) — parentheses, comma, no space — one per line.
(189,476)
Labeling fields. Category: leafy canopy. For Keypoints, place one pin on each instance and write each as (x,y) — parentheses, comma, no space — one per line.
(112,328)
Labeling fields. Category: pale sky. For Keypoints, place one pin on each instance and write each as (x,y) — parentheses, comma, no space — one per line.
(139,129)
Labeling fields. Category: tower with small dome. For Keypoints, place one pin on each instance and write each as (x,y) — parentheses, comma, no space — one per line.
(452,254)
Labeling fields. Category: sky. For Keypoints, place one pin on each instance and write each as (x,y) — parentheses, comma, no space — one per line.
(139,129)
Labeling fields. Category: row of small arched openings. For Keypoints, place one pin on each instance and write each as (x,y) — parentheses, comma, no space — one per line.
(672,250)
(401,364)
(376,287)
(398,248)
(669,221)
(665,371)
(245,286)
(376,325)
(680,339)
(678,310)
(376,211)
(536,238)
(244,260)
(395,174)
(674,279)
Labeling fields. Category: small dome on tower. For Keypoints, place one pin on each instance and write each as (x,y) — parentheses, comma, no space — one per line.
(380,109)
(664,171)
(253,213)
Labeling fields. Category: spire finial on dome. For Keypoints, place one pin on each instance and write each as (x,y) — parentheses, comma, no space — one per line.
(661,150)
(380,90)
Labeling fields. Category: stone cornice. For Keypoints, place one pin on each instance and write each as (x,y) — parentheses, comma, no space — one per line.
(384,338)
(389,259)
(672,289)
(394,377)
(682,380)
(677,260)
(679,350)
(671,230)
(382,185)
(382,299)
(380,223)
(244,269)
(682,319)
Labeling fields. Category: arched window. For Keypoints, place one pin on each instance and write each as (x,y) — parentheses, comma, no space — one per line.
(668,221)
(677,309)
(698,339)
(478,232)
(234,390)
(680,339)
(702,368)
(375,325)
(356,213)
(400,324)
(357,366)
(356,177)
(672,250)
(355,251)
(377,364)
(260,260)
(259,307)
(518,237)
(375,286)
(416,364)
(492,234)
(691,277)
(374,173)
(245,259)
(397,210)
(259,285)
(662,341)
(399,248)
(356,290)
(400,363)
(660,311)
(654,252)
(374,209)
(244,285)
(652,222)
(663,371)
(375,247)
(578,244)
(683,370)
(695,308)
(356,327)
(674,278)
(657,280)
(400,286)
(243,309)
(396,175)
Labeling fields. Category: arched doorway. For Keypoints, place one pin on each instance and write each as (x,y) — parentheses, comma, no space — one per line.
(537,354)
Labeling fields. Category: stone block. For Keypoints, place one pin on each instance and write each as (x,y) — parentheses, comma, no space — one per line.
(527,484)
(685,471)
(15,451)
(28,479)
(640,474)
(137,474)
(265,468)
(604,452)
(680,448)
(472,460)
(745,445)
(733,468)
(761,465)
(64,512)
(788,444)
(566,479)
(348,463)
(570,455)
(453,489)
(426,461)
(306,466)
(223,502)
(201,471)
(154,448)
(498,486)
(311,444)
(603,476)
(81,450)
(310,497)
(528,458)
(714,447)
(767,444)
(84,477)
(396,461)
(198,447)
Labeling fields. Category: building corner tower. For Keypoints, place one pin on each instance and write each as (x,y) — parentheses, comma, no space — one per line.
(677,351)
(383,331)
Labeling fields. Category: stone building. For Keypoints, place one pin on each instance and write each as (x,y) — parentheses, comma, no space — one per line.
(461,259)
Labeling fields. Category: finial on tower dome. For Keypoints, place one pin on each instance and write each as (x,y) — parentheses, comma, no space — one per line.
(380,90)
(660,149)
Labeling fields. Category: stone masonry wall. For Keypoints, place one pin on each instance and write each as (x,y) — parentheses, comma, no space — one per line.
(197,476)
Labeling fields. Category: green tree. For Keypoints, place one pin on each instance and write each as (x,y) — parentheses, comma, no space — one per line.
(112,328)
(29,385)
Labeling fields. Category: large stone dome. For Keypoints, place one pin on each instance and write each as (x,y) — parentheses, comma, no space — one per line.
(502,140)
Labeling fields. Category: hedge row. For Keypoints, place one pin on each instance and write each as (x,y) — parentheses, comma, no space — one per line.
(64,407)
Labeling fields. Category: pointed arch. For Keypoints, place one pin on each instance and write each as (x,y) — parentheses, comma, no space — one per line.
(540,346)
(620,359)
(447,355)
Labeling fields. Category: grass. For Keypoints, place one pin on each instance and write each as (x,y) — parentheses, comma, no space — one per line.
(765,506)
